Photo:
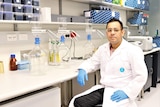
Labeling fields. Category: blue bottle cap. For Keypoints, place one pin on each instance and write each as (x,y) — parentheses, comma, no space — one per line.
(12,55)
(62,39)
(88,37)
(37,40)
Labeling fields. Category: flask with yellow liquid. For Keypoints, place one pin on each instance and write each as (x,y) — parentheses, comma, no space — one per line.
(53,53)
(1,67)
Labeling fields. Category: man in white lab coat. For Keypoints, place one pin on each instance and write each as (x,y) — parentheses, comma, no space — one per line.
(122,69)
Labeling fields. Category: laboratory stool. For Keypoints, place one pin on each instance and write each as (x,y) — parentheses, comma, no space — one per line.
(141,94)
(99,105)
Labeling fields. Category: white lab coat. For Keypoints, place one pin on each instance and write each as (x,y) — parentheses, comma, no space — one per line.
(124,70)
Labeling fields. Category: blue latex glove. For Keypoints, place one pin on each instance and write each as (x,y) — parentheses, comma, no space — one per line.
(119,95)
(82,76)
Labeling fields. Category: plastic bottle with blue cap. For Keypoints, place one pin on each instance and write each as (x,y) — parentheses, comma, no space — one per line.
(38,59)
(64,51)
(89,48)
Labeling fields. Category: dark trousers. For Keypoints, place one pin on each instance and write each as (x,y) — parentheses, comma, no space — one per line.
(91,99)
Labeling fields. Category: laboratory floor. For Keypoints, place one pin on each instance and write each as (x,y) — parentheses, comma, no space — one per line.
(151,99)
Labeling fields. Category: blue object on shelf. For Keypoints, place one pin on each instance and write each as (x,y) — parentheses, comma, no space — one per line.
(35,2)
(28,9)
(27,2)
(7,7)
(7,1)
(18,16)
(1,15)
(138,4)
(139,19)
(110,1)
(156,40)
(116,15)
(8,15)
(18,8)
(101,16)
(17,1)
(36,10)
(28,17)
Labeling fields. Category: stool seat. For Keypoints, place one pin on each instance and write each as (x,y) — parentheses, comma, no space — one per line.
(98,105)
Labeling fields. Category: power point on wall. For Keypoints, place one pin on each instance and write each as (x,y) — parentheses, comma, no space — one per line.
(22,36)
(11,37)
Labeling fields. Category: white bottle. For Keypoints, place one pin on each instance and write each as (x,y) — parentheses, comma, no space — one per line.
(64,51)
(89,48)
(38,59)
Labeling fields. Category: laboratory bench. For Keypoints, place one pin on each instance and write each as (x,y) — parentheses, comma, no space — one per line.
(19,83)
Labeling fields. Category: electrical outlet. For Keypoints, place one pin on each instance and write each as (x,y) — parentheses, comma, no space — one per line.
(24,54)
(63,32)
(23,36)
(11,37)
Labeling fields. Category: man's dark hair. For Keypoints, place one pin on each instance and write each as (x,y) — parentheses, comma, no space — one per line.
(115,20)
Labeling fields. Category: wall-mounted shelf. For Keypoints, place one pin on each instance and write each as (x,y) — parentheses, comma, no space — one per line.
(27,25)
(100,2)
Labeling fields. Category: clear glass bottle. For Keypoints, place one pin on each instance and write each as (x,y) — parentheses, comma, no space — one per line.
(89,48)
(38,59)
(64,51)
(13,63)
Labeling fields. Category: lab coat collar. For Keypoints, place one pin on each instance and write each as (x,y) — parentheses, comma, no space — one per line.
(118,50)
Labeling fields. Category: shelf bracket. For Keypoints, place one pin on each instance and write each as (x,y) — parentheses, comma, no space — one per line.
(60,7)
(15,27)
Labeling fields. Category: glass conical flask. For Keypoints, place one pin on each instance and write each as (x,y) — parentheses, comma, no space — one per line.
(38,59)
(89,48)
(64,51)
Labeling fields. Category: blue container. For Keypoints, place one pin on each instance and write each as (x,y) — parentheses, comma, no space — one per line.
(18,8)
(35,2)
(1,15)
(7,1)
(17,1)
(8,15)
(36,10)
(28,17)
(1,7)
(101,16)
(18,16)
(7,7)
(26,2)
(110,1)
(23,65)
(28,9)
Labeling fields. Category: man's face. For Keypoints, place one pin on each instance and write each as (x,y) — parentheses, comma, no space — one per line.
(114,33)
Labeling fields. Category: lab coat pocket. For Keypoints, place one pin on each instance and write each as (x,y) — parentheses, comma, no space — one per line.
(126,63)
(124,67)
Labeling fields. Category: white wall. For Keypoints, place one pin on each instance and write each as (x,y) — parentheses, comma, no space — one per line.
(54,4)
